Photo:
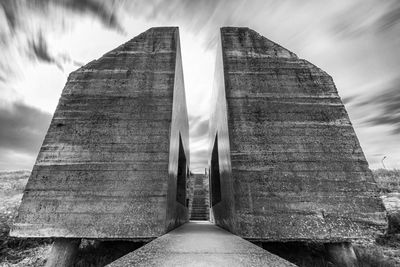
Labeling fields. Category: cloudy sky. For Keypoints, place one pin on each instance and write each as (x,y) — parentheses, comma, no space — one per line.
(42,41)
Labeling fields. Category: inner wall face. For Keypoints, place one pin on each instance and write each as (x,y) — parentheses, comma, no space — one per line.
(297,169)
(109,163)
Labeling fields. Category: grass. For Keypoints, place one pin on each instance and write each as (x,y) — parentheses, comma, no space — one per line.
(388,180)
(24,252)
(385,252)
(16,251)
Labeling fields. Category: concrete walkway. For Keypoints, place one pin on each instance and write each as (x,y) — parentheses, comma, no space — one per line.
(200,244)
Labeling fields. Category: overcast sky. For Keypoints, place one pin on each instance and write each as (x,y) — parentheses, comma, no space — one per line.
(42,41)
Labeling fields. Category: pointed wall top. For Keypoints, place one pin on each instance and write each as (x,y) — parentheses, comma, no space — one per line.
(248,43)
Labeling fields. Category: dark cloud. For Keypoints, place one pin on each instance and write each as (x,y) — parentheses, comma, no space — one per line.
(22,128)
(19,14)
(38,49)
(357,20)
(371,22)
(103,10)
(10,8)
(388,103)
(392,17)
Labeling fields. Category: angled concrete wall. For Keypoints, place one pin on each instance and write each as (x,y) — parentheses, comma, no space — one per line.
(109,163)
(293,168)
(219,162)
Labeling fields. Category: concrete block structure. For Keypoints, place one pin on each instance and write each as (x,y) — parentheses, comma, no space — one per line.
(114,162)
(285,162)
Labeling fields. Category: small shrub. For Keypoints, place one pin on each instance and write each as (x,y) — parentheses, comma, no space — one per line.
(387,180)
(373,257)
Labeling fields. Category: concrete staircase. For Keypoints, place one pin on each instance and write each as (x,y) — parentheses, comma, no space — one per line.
(200,203)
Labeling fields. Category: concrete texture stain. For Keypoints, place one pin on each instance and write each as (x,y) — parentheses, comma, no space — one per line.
(107,167)
(290,161)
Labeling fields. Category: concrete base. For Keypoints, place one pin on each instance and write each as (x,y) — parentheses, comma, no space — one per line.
(63,252)
(342,254)
(200,244)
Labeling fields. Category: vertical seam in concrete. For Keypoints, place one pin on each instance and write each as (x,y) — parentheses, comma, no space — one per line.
(176,128)
(168,209)
(231,190)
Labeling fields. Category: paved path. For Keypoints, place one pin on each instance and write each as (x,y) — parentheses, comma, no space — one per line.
(200,244)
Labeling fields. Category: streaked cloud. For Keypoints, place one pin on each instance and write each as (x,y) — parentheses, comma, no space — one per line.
(387,102)
(22,127)
(198,132)
(357,42)
(38,49)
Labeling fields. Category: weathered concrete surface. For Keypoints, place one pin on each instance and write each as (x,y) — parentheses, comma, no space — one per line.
(200,244)
(292,168)
(108,165)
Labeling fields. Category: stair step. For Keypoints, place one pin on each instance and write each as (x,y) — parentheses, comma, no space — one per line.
(200,210)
